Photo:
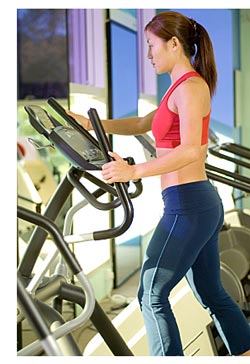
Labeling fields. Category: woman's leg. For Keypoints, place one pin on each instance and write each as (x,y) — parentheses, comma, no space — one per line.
(160,273)
(204,279)
(172,250)
(187,238)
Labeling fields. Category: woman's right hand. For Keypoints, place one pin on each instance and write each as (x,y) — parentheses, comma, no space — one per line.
(84,122)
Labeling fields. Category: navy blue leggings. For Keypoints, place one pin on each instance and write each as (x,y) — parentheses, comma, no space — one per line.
(185,243)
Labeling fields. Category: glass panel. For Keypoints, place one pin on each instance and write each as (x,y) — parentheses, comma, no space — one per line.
(42,53)
(124,86)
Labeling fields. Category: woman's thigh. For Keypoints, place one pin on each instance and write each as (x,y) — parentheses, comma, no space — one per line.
(174,248)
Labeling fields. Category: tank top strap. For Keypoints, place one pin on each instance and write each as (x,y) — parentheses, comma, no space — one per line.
(179,81)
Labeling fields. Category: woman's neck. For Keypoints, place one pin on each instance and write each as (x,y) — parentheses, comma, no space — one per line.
(179,70)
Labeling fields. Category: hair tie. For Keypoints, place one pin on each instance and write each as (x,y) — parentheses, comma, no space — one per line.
(194,29)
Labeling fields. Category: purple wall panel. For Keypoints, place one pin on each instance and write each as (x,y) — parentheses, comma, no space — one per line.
(147,76)
(86,46)
(77,46)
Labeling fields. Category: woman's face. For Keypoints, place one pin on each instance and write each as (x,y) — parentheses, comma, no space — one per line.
(160,53)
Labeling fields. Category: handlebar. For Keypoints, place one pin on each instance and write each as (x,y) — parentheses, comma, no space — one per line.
(100,133)
(121,187)
(235,180)
(237,149)
(217,151)
(74,265)
(90,196)
(33,314)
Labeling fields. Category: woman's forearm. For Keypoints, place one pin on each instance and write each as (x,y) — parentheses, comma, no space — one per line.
(124,126)
(129,126)
(177,159)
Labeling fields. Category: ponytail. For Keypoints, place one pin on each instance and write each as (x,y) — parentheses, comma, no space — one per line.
(203,61)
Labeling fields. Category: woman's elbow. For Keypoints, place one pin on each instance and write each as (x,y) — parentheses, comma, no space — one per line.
(194,153)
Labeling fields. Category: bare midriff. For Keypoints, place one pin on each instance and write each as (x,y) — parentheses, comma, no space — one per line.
(193,172)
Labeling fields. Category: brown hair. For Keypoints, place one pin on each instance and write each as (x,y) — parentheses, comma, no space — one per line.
(194,39)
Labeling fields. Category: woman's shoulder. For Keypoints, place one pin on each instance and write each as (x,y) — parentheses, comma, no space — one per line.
(193,86)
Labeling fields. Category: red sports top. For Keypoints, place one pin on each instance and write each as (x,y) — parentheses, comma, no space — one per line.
(166,123)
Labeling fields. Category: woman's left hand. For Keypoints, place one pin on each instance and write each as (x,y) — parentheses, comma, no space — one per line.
(118,170)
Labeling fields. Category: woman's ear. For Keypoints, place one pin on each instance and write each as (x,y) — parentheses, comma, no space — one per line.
(175,42)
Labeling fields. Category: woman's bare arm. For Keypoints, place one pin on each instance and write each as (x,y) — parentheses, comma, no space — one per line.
(125,126)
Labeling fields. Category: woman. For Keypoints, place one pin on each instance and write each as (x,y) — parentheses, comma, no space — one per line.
(185,242)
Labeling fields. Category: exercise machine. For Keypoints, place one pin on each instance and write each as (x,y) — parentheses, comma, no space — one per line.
(85,153)
(235,235)
(239,157)
(35,310)
(126,335)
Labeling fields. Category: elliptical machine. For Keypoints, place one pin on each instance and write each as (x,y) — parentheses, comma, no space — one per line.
(35,292)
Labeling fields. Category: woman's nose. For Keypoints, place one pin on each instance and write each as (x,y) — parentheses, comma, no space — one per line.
(149,54)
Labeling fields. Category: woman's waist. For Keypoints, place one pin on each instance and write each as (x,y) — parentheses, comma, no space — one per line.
(194,196)
(183,176)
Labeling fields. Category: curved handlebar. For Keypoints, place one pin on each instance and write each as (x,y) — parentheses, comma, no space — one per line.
(90,196)
(216,151)
(32,312)
(121,188)
(74,265)
(121,191)
(100,133)
(237,149)
(235,180)
(51,227)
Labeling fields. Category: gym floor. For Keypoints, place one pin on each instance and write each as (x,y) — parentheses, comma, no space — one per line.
(113,305)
